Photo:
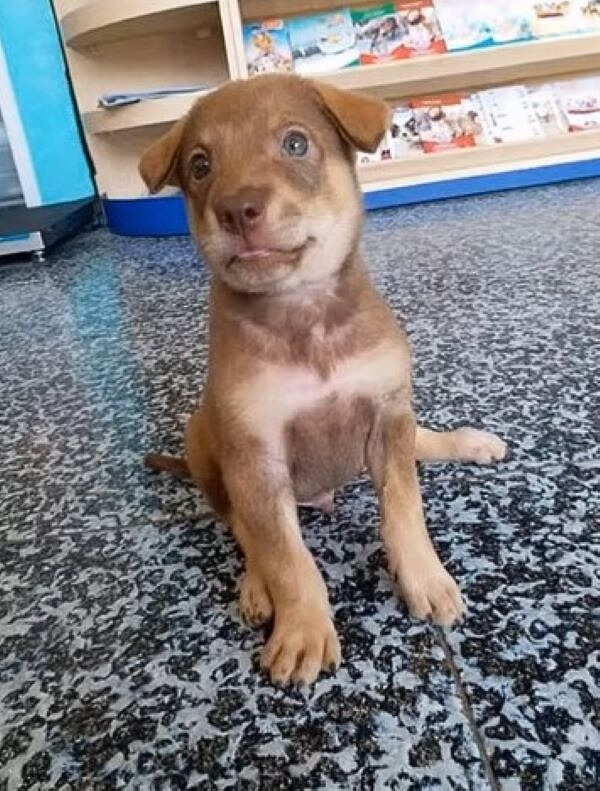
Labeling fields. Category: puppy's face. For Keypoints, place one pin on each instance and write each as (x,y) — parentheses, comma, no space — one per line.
(267,169)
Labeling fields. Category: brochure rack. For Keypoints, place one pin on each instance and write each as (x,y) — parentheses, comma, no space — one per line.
(124,45)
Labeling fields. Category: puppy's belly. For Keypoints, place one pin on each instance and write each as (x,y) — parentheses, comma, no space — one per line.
(326,444)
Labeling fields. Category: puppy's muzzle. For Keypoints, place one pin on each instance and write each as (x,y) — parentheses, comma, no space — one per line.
(244,211)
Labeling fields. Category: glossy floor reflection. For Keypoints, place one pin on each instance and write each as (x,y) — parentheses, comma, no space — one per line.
(123,661)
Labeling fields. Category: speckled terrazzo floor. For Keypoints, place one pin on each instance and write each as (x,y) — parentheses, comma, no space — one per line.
(123,661)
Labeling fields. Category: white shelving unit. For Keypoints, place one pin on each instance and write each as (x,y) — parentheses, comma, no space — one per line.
(131,45)
(117,45)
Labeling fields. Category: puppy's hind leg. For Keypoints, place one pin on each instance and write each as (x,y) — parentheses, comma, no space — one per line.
(463,444)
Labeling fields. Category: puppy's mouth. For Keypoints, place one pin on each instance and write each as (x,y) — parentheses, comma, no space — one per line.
(264,258)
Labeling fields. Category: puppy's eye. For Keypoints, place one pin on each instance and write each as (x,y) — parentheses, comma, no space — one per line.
(200,165)
(295,144)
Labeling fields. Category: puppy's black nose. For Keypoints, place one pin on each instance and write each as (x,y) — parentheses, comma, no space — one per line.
(242,211)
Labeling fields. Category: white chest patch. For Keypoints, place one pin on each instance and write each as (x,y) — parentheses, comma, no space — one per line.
(277,393)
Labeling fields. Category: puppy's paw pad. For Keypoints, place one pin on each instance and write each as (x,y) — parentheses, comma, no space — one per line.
(255,603)
(481,447)
(300,648)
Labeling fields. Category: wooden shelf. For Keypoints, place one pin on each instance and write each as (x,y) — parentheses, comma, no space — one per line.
(103,21)
(462,162)
(150,112)
(511,63)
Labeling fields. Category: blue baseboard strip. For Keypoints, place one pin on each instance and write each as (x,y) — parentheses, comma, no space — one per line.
(167,217)
(477,185)
(146,216)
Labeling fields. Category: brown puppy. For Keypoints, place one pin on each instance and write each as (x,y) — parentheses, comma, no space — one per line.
(309,375)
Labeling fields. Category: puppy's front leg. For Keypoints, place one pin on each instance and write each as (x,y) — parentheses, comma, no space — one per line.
(428,589)
(265,521)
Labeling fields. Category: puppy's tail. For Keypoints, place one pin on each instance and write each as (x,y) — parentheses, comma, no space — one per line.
(174,464)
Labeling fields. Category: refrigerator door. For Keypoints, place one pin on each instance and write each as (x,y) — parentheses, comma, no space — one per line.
(10,187)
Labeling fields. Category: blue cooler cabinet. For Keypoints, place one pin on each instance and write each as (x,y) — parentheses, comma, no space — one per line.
(46,186)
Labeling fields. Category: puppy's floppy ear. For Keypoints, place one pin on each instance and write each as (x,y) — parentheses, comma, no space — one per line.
(361,120)
(158,163)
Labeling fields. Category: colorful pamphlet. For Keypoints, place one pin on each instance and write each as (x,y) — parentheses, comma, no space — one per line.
(422,34)
(267,47)
(406,140)
(401,30)
(447,121)
(580,102)
(558,18)
(509,20)
(590,10)
(508,114)
(379,35)
(547,110)
(464,23)
(323,42)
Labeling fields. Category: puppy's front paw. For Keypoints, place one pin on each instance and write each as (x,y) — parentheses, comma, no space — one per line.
(429,591)
(302,644)
(255,602)
(481,447)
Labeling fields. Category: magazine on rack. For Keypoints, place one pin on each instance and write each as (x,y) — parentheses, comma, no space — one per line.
(267,47)
(448,121)
(379,35)
(508,114)
(464,23)
(422,30)
(387,32)
(559,18)
(406,140)
(545,105)
(323,42)
(591,15)
(580,102)
(508,21)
